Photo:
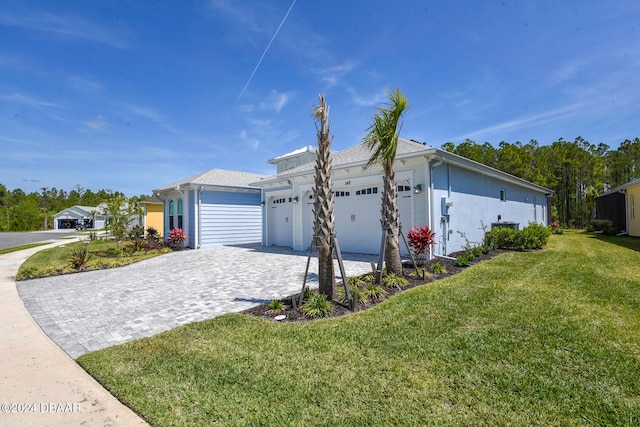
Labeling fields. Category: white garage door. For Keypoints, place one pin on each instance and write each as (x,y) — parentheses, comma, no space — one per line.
(357,212)
(280,221)
(357,216)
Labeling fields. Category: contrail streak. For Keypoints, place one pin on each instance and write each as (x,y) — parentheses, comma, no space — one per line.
(265,51)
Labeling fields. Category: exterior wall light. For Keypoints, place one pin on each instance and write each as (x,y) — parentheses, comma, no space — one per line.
(296,199)
(417,189)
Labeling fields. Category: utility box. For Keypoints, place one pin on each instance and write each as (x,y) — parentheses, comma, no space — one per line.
(506,224)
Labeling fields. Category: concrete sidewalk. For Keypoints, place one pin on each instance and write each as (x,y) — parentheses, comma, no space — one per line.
(40,385)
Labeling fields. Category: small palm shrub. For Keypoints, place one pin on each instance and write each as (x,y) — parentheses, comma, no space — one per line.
(341,295)
(392,280)
(317,305)
(437,268)
(79,257)
(367,277)
(276,306)
(373,292)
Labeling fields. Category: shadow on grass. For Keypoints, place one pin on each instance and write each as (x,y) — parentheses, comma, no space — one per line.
(628,242)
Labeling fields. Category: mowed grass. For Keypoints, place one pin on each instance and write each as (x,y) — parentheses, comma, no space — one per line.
(544,338)
(56,260)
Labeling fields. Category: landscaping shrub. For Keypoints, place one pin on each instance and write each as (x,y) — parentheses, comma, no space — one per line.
(79,257)
(153,240)
(604,225)
(437,268)
(556,228)
(317,305)
(355,290)
(462,261)
(177,236)
(276,306)
(391,280)
(420,239)
(533,236)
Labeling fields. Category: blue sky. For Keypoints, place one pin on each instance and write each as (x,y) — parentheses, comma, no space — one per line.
(131,96)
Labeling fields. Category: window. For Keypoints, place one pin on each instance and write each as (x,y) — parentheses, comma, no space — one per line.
(180,213)
(402,188)
(503,195)
(171,212)
(365,191)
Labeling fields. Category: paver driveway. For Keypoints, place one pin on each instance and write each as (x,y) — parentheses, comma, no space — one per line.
(89,311)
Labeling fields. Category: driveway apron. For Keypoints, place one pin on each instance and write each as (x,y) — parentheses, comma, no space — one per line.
(40,385)
(89,311)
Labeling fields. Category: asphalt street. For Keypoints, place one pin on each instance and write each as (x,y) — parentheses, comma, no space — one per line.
(10,240)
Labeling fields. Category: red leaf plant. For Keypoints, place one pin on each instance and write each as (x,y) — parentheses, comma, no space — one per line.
(420,239)
(177,236)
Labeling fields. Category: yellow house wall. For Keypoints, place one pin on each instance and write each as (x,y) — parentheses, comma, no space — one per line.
(633,210)
(154,217)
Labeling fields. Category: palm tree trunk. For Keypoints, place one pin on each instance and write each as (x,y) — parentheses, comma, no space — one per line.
(390,220)
(324,227)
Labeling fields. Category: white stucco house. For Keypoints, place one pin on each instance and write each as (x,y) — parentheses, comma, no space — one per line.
(454,196)
(216,207)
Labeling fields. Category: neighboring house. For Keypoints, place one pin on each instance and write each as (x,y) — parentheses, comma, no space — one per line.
(456,197)
(214,208)
(153,214)
(71,217)
(619,206)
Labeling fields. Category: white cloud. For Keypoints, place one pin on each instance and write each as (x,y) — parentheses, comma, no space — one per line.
(96,125)
(332,75)
(275,101)
(151,115)
(66,27)
(27,100)
(370,100)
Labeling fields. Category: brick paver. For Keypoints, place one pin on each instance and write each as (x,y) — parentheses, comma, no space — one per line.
(89,311)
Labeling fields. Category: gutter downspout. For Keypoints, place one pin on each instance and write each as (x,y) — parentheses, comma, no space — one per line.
(199,218)
(430,208)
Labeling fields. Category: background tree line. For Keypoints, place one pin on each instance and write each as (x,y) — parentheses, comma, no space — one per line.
(26,212)
(577,171)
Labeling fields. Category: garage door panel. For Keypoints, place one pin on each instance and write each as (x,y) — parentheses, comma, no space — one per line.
(280,221)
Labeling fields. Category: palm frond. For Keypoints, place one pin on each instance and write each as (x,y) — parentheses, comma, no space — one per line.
(382,138)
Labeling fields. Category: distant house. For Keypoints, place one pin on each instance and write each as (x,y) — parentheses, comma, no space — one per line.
(214,208)
(619,206)
(153,214)
(456,197)
(75,216)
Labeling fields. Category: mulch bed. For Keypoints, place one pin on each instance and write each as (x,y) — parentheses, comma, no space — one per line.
(295,315)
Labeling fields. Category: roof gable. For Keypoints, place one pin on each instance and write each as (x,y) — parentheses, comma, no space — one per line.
(218,177)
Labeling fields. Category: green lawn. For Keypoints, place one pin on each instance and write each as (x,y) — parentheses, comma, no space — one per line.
(545,338)
(103,254)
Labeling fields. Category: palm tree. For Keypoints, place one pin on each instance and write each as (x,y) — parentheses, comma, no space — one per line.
(324,225)
(382,140)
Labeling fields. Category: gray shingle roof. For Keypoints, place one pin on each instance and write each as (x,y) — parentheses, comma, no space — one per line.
(219,177)
(359,154)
